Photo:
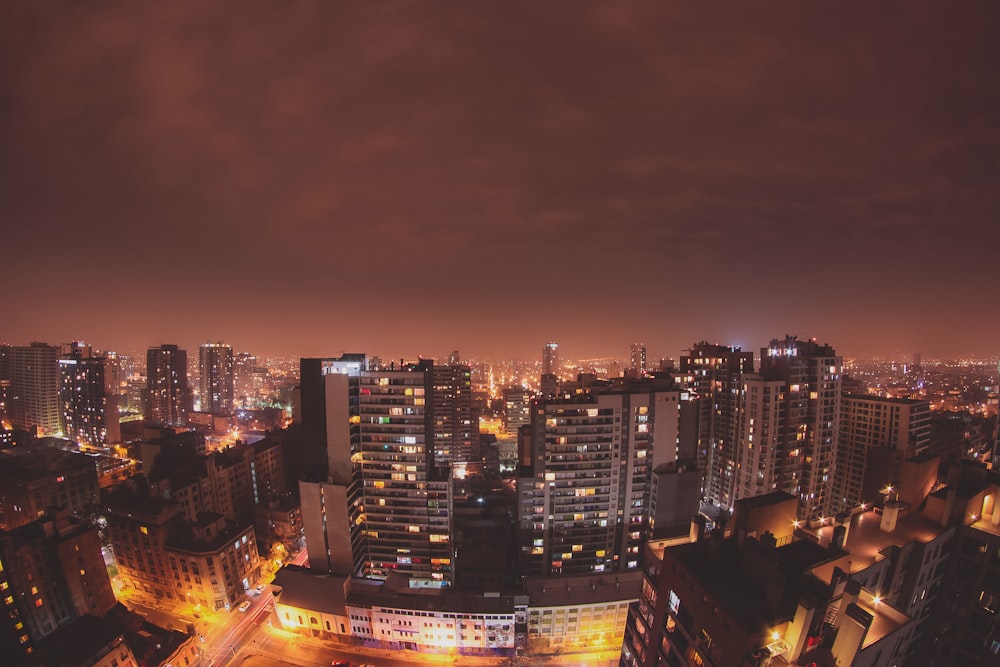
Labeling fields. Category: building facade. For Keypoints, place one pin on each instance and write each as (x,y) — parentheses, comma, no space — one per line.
(168,397)
(550,359)
(215,378)
(89,414)
(876,435)
(34,388)
(211,561)
(584,504)
(43,478)
(715,373)
(516,408)
(808,430)
(383,491)
(52,572)
(454,428)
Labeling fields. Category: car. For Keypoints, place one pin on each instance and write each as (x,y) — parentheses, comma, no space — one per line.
(260,589)
(244,605)
(340,663)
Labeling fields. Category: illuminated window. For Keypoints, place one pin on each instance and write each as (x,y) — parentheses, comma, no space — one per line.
(144,530)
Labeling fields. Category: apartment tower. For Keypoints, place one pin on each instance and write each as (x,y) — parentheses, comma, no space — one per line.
(215,378)
(383,505)
(715,373)
(34,388)
(168,397)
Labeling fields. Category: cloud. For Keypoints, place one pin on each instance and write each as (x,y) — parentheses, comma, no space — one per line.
(435,152)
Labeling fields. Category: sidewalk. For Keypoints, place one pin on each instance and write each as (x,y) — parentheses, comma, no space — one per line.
(596,658)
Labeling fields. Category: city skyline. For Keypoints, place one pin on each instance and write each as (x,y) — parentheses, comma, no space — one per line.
(496,176)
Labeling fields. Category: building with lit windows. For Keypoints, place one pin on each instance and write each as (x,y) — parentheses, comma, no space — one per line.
(4,385)
(554,613)
(803,442)
(876,435)
(382,490)
(244,379)
(550,359)
(715,373)
(34,388)
(454,429)
(211,561)
(90,416)
(215,378)
(52,572)
(516,408)
(168,397)
(912,581)
(45,477)
(585,501)
(138,528)
(576,612)
(637,358)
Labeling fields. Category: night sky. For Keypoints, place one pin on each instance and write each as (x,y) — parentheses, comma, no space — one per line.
(404,179)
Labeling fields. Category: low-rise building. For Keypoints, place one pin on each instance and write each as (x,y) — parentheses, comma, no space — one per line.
(587,611)
(211,561)
(554,613)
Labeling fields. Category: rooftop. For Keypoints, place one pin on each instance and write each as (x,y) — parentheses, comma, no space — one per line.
(773,498)
(81,640)
(866,540)
(565,591)
(303,588)
(887,399)
(42,462)
(724,577)
(183,537)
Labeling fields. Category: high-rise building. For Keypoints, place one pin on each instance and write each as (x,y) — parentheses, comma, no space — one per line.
(454,429)
(802,432)
(4,384)
(90,416)
(715,373)
(244,373)
(550,359)
(638,358)
(876,435)
(34,371)
(382,506)
(516,408)
(168,397)
(215,377)
(587,503)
